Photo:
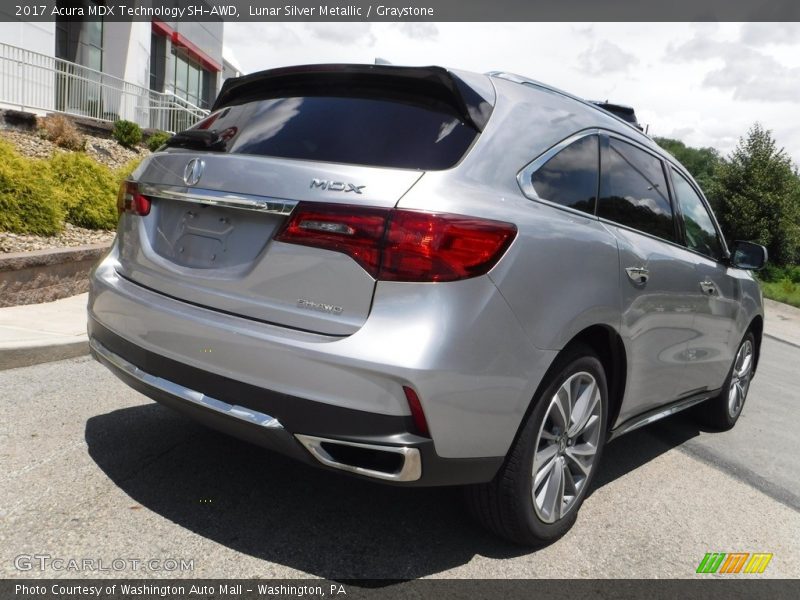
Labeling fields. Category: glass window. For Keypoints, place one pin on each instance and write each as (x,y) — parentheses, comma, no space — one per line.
(181,76)
(633,190)
(405,133)
(570,177)
(194,81)
(701,236)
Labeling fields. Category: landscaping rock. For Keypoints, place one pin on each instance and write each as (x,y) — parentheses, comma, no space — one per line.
(105,151)
(71,236)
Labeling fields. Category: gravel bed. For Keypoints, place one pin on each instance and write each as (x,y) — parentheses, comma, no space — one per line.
(105,151)
(71,236)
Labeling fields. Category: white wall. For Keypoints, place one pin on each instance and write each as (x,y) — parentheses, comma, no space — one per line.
(38,37)
(25,85)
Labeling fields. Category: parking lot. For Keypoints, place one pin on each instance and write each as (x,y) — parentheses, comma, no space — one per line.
(90,469)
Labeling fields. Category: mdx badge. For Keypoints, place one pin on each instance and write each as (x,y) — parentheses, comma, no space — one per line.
(193,171)
(336,186)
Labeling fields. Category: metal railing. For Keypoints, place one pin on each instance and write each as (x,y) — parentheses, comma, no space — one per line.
(33,81)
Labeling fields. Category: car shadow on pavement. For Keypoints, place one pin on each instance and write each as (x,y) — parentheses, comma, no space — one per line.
(639,447)
(322,523)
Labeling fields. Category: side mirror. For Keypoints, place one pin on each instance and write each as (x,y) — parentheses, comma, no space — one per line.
(747,255)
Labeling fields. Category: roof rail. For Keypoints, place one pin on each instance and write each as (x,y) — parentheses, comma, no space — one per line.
(514,78)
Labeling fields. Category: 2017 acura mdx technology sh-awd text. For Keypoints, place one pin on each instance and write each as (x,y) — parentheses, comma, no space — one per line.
(427,277)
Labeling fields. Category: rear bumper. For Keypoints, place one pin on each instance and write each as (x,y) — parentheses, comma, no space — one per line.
(458,345)
(245,412)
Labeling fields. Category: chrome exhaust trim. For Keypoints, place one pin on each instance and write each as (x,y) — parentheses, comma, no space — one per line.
(410,470)
(184,393)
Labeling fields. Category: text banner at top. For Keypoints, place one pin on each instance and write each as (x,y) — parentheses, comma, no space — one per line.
(403,10)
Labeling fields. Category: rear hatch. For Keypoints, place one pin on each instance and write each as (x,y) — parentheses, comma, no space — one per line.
(331,136)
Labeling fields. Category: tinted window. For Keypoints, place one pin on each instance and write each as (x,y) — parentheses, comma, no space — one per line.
(570,177)
(363,131)
(633,190)
(701,235)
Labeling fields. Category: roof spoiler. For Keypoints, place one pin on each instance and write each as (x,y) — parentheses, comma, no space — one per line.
(434,87)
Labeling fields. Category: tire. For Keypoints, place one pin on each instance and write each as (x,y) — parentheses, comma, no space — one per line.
(723,411)
(509,505)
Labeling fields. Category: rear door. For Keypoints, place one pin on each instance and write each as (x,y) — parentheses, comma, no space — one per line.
(656,275)
(330,138)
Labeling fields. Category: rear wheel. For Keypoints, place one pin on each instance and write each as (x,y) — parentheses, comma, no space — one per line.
(535,497)
(723,411)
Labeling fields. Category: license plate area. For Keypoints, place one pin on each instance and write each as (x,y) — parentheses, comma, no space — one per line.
(201,236)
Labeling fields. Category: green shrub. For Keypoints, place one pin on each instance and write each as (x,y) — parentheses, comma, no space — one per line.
(127,133)
(28,202)
(157,140)
(775,273)
(88,190)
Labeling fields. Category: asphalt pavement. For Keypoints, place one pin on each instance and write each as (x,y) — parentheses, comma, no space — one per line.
(90,469)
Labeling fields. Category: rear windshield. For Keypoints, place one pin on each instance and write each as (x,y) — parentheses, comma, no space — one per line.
(362,131)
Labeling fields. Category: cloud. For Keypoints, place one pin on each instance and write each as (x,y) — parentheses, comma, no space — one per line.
(605,57)
(419,31)
(748,73)
(344,34)
(765,34)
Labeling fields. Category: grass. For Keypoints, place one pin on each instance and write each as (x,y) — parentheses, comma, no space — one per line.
(781,284)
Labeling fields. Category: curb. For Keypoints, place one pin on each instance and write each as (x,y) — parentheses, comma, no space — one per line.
(13,358)
(782,340)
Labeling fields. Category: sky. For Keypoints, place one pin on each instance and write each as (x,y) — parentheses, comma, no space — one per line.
(702,83)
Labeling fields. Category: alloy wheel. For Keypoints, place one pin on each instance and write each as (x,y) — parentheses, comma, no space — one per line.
(566,446)
(740,378)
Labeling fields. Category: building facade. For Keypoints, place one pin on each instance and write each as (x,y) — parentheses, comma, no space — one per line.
(160,74)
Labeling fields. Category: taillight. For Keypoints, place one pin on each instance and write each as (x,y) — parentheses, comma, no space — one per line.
(423,246)
(402,245)
(350,230)
(130,200)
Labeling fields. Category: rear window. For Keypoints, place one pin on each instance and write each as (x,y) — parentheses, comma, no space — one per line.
(363,131)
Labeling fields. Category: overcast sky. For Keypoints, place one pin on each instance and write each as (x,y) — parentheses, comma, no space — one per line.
(704,84)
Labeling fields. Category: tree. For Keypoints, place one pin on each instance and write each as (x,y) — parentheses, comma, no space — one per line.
(757,196)
(700,162)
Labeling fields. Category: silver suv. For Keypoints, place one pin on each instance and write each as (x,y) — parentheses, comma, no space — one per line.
(427,277)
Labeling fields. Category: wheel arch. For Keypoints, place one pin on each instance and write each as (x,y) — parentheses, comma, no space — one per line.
(610,349)
(606,342)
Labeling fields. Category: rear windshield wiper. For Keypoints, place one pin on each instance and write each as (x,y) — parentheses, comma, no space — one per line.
(199,139)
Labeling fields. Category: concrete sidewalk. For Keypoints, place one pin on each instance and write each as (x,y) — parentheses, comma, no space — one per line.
(37,333)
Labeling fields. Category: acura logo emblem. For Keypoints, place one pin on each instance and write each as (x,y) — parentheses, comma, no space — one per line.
(193,171)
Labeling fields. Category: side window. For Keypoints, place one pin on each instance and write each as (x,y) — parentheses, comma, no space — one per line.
(633,190)
(701,236)
(570,177)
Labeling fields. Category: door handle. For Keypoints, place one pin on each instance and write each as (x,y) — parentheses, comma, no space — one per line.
(638,275)
(709,288)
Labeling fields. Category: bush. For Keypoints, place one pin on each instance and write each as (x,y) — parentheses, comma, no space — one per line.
(88,190)
(61,131)
(157,140)
(774,273)
(127,133)
(28,201)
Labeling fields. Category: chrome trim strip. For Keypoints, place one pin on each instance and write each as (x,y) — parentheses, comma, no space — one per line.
(261,204)
(184,393)
(646,419)
(410,471)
